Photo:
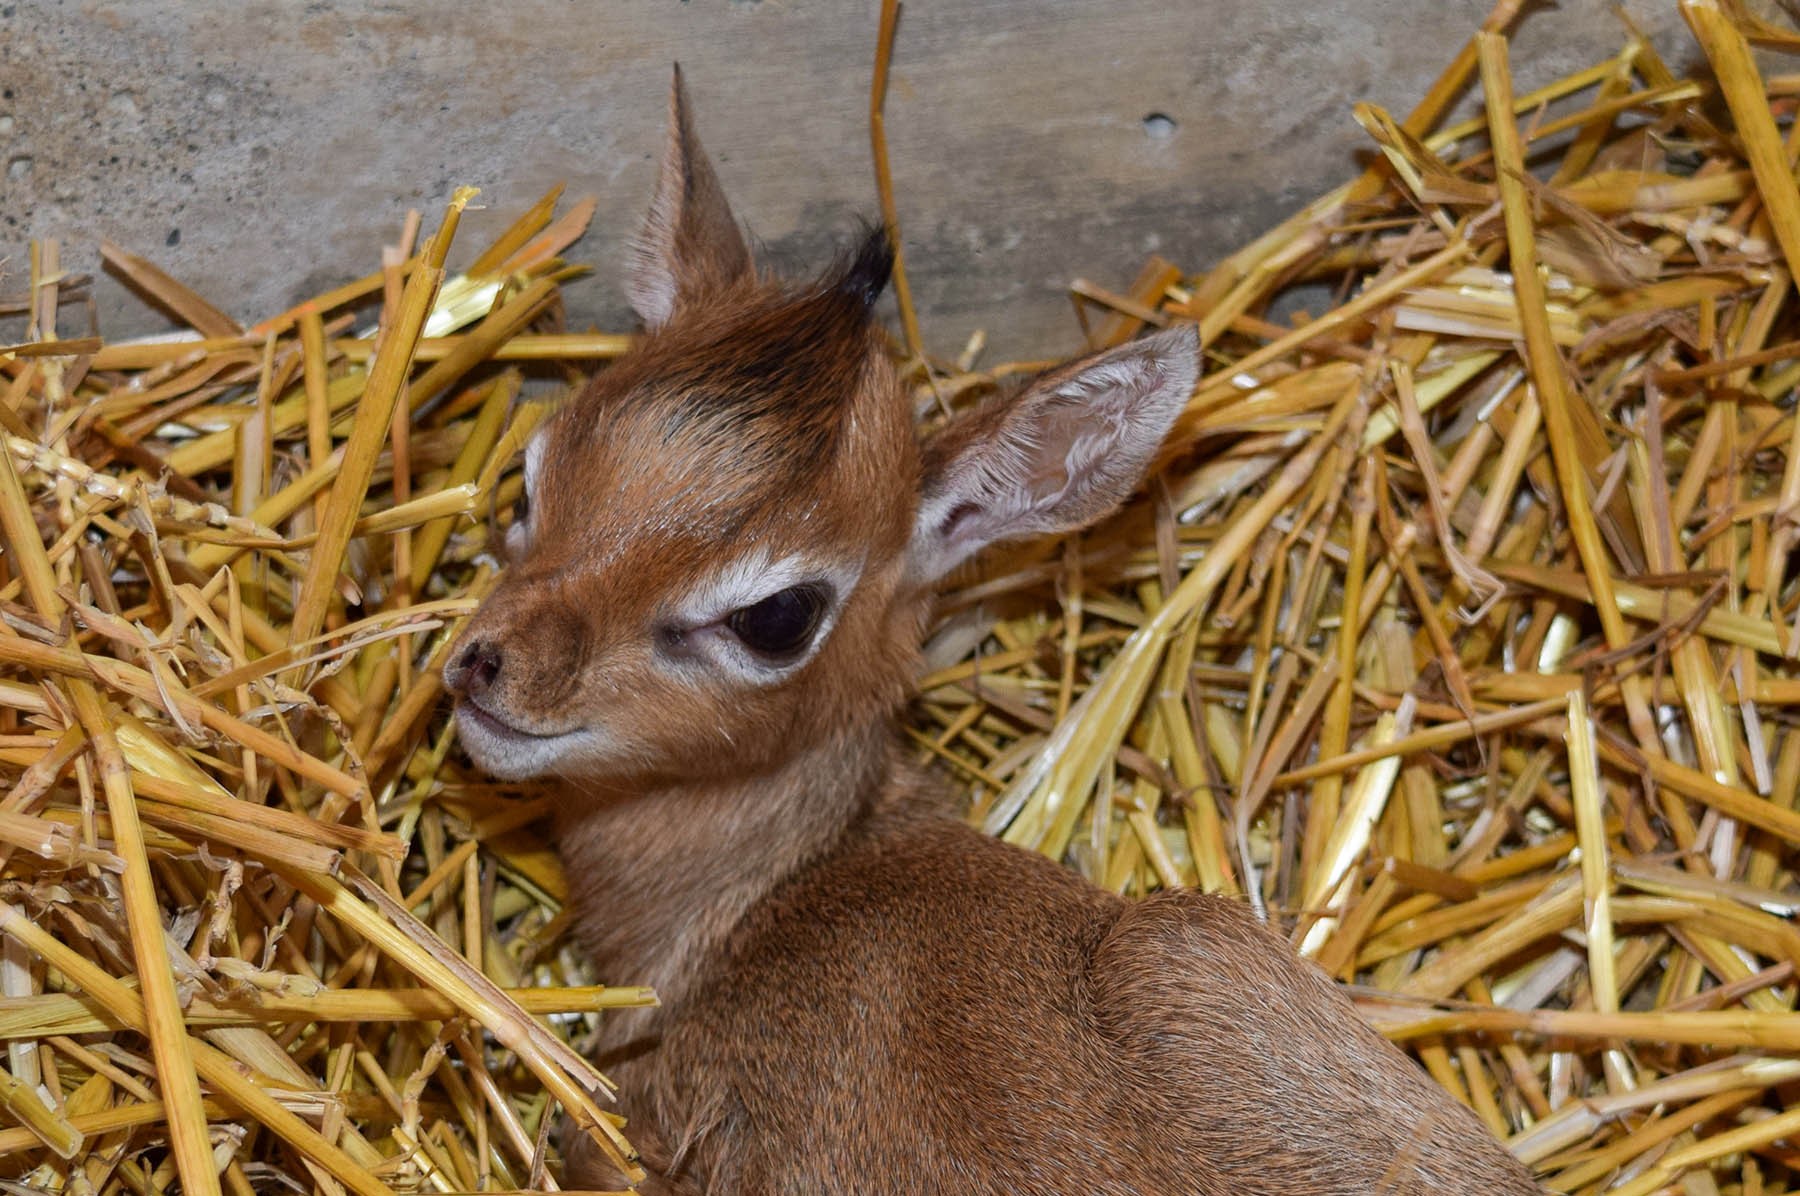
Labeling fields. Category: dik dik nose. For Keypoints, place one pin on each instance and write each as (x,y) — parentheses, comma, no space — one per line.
(473,670)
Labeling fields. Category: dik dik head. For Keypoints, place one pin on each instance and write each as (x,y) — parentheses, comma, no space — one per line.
(730,536)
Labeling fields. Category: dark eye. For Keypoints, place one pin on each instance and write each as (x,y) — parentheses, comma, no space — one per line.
(516,531)
(783,623)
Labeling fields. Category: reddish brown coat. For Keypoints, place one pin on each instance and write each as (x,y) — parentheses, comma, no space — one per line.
(859,993)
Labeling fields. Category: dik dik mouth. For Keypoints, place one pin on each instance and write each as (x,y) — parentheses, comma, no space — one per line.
(511,752)
(470,712)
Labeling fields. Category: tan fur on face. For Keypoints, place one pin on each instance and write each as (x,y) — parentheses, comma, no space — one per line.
(770,425)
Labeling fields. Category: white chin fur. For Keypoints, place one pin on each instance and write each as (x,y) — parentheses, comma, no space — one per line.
(511,755)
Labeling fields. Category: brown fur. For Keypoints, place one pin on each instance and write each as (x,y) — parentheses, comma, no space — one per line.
(859,993)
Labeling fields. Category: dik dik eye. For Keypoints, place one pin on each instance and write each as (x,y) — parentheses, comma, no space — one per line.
(783,624)
(517,529)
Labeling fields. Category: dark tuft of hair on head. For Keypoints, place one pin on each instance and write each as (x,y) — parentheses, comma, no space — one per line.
(864,274)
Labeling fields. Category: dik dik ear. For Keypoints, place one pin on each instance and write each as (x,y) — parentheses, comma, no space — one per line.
(1058,455)
(690,243)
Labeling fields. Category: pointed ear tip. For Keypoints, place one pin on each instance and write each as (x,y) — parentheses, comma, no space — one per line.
(1179,347)
(1181,338)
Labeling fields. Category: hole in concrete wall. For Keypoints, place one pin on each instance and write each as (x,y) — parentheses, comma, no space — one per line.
(1159,126)
(19,168)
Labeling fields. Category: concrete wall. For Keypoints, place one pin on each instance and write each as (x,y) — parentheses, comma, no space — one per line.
(262,151)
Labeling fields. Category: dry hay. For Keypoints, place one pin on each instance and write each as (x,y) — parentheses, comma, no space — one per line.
(1458,635)
(222,718)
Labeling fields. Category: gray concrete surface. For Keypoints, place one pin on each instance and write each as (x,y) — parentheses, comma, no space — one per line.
(263,151)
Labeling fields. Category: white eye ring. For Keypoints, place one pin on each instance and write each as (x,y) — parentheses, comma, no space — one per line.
(518,532)
(702,624)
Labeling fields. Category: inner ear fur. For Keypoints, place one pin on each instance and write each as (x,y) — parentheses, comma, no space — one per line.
(1059,454)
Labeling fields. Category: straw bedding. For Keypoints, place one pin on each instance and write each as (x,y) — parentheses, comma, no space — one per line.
(1458,635)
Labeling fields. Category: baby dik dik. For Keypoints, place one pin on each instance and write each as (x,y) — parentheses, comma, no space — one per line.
(709,625)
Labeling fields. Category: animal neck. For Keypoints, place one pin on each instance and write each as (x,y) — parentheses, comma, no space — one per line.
(661,874)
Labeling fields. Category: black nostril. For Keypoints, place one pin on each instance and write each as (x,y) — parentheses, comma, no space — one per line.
(475,669)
